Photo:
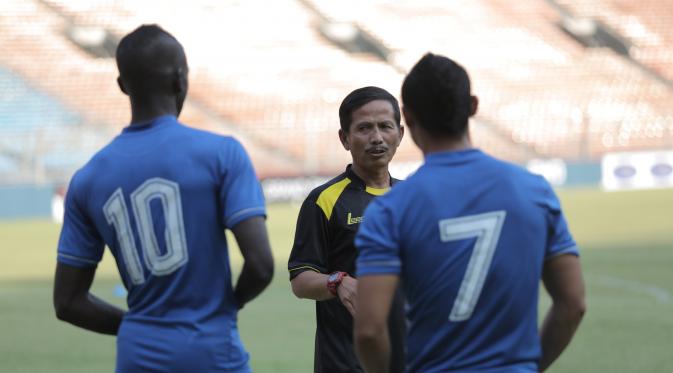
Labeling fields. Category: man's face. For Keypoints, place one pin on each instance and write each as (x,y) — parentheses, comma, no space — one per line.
(374,135)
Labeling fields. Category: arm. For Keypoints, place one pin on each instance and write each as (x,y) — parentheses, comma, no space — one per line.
(562,277)
(313,285)
(74,303)
(257,272)
(372,343)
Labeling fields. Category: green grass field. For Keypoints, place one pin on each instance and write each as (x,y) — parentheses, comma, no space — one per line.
(627,254)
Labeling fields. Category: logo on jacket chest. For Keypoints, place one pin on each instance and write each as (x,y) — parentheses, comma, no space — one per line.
(353,219)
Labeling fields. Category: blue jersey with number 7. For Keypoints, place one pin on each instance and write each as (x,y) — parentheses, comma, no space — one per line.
(160,196)
(468,235)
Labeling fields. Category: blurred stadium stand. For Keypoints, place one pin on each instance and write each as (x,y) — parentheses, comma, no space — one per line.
(538,86)
(273,73)
(647,24)
(39,135)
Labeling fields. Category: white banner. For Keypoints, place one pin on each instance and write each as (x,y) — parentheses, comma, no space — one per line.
(637,170)
(290,189)
(554,169)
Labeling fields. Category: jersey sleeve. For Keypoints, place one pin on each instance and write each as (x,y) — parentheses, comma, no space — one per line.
(80,244)
(559,239)
(377,242)
(241,194)
(309,251)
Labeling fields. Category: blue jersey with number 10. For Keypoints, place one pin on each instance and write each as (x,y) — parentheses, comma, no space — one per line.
(468,235)
(160,196)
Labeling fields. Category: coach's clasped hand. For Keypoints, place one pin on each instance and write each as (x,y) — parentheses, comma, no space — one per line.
(347,291)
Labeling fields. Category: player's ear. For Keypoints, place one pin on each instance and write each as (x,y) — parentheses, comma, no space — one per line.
(399,139)
(180,81)
(409,117)
(474,104)
(343,136)
(120,83)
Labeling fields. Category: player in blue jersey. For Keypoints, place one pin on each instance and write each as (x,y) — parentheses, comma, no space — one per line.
(160,196)
(470,237)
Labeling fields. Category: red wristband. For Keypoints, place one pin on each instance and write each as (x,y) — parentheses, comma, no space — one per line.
(334,280)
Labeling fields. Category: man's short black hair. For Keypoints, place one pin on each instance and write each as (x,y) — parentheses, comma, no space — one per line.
(149,53)
(361,97)
(437,92)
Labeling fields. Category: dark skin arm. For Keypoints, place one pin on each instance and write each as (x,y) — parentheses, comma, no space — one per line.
(373,301)
(74,303)
(253,241)
(562,277)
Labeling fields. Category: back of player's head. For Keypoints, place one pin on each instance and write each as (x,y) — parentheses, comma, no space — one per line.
(361,97)
(437,92)
(148,59)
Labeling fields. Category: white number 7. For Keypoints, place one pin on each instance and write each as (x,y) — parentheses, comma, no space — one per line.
(486,227)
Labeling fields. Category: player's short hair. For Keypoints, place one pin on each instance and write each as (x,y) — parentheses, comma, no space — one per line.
(361,97)
(437,91)
(148,51)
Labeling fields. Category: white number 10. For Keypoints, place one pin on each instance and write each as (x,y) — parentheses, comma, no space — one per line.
(168,193)
(486,227)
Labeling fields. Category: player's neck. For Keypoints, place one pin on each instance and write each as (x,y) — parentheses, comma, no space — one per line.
(375,178)
(146,109)
(439,144)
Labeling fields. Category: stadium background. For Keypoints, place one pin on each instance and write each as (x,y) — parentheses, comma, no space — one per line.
(579,90)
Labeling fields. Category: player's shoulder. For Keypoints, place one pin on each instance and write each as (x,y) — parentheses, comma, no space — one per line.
(98,161)
(401,186)
(83,178)
(207,138)
(207,145)
(534,186)
(517,173)
(400,196)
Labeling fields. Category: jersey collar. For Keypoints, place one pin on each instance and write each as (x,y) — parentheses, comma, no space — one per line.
(456,156)
(360,184)
(151,124)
